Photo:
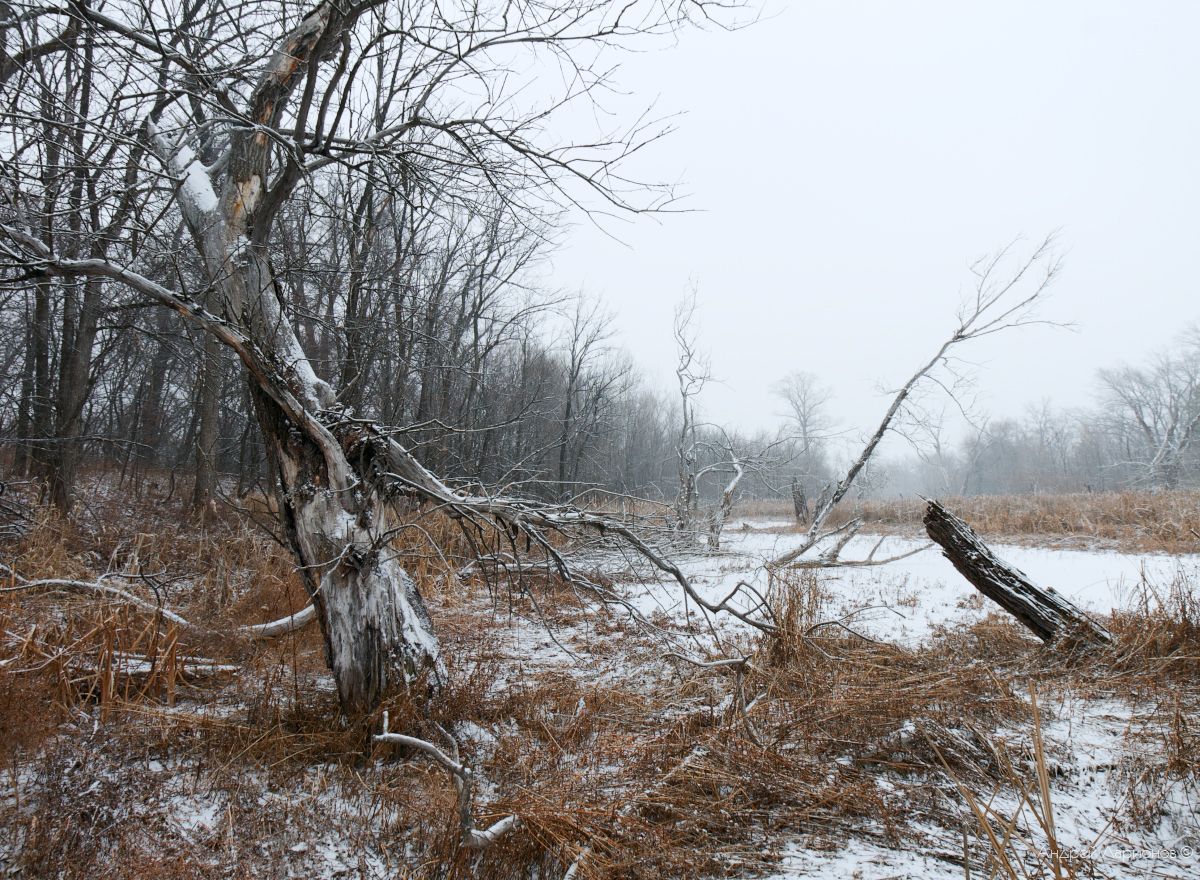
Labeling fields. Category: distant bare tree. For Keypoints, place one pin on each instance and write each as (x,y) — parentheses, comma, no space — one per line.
(691,374)
(590,383)
(1155,411)
(807,400)
(1005,297)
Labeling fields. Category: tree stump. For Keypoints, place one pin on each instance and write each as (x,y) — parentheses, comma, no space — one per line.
(1044,612)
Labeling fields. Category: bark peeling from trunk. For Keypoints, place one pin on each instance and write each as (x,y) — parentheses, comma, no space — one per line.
(378,634)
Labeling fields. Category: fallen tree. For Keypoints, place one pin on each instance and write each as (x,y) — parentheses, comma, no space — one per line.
(1044,612)
(103,590)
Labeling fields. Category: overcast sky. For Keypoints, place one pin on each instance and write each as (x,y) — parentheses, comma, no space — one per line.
(847,161)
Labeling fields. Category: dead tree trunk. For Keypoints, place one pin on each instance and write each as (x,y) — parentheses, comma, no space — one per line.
(377,632)
(800,502)
(1043,611)
(717,521)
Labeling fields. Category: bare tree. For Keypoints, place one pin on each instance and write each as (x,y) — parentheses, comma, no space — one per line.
(67,189)
(1004,298)
(225,115)
(691,374)
(807,400)
(588,382)
(1155,411)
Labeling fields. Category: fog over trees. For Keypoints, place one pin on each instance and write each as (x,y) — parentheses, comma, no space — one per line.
(1138,432)
(301,252)
(312,469)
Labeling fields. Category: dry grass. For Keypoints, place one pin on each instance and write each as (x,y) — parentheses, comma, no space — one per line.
(1166,522)
(108,773)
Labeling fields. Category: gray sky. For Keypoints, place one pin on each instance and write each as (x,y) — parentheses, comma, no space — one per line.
(849,159)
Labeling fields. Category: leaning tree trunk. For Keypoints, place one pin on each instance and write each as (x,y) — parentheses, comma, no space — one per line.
(334,500)
(377,631)
(1043,611)
(337,519)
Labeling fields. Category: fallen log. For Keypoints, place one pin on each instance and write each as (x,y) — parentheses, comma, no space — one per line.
(1044,612)
(269,630)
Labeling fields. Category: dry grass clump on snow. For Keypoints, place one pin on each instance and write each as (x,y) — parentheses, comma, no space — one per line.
(573,716)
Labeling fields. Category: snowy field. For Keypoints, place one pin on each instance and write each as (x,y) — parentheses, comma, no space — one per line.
(1117,812)
(1096,744)
(903,601)
(908,597)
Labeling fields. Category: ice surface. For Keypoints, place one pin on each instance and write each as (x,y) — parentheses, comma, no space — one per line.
(904,600)
(1090,741)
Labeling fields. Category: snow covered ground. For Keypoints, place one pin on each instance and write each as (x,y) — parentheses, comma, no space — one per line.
(1090,790)
(906,598)
(1094,744)
(1118,812)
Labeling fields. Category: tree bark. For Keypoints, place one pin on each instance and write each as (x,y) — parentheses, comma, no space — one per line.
(1044,612)
(799,502)
(208,392)
(377,632)
(74,382)
(24,454)
(150,421)
(721,513)
(42,409)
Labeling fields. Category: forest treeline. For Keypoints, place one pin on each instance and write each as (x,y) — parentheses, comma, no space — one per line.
(422,314)
(412,281)
(425,314)
(1140,432)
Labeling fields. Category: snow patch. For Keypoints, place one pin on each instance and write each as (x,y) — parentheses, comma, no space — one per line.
(904,601)
(195,816)
(197,186)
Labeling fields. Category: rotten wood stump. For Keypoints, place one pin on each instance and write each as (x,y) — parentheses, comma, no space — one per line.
(1043,611)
